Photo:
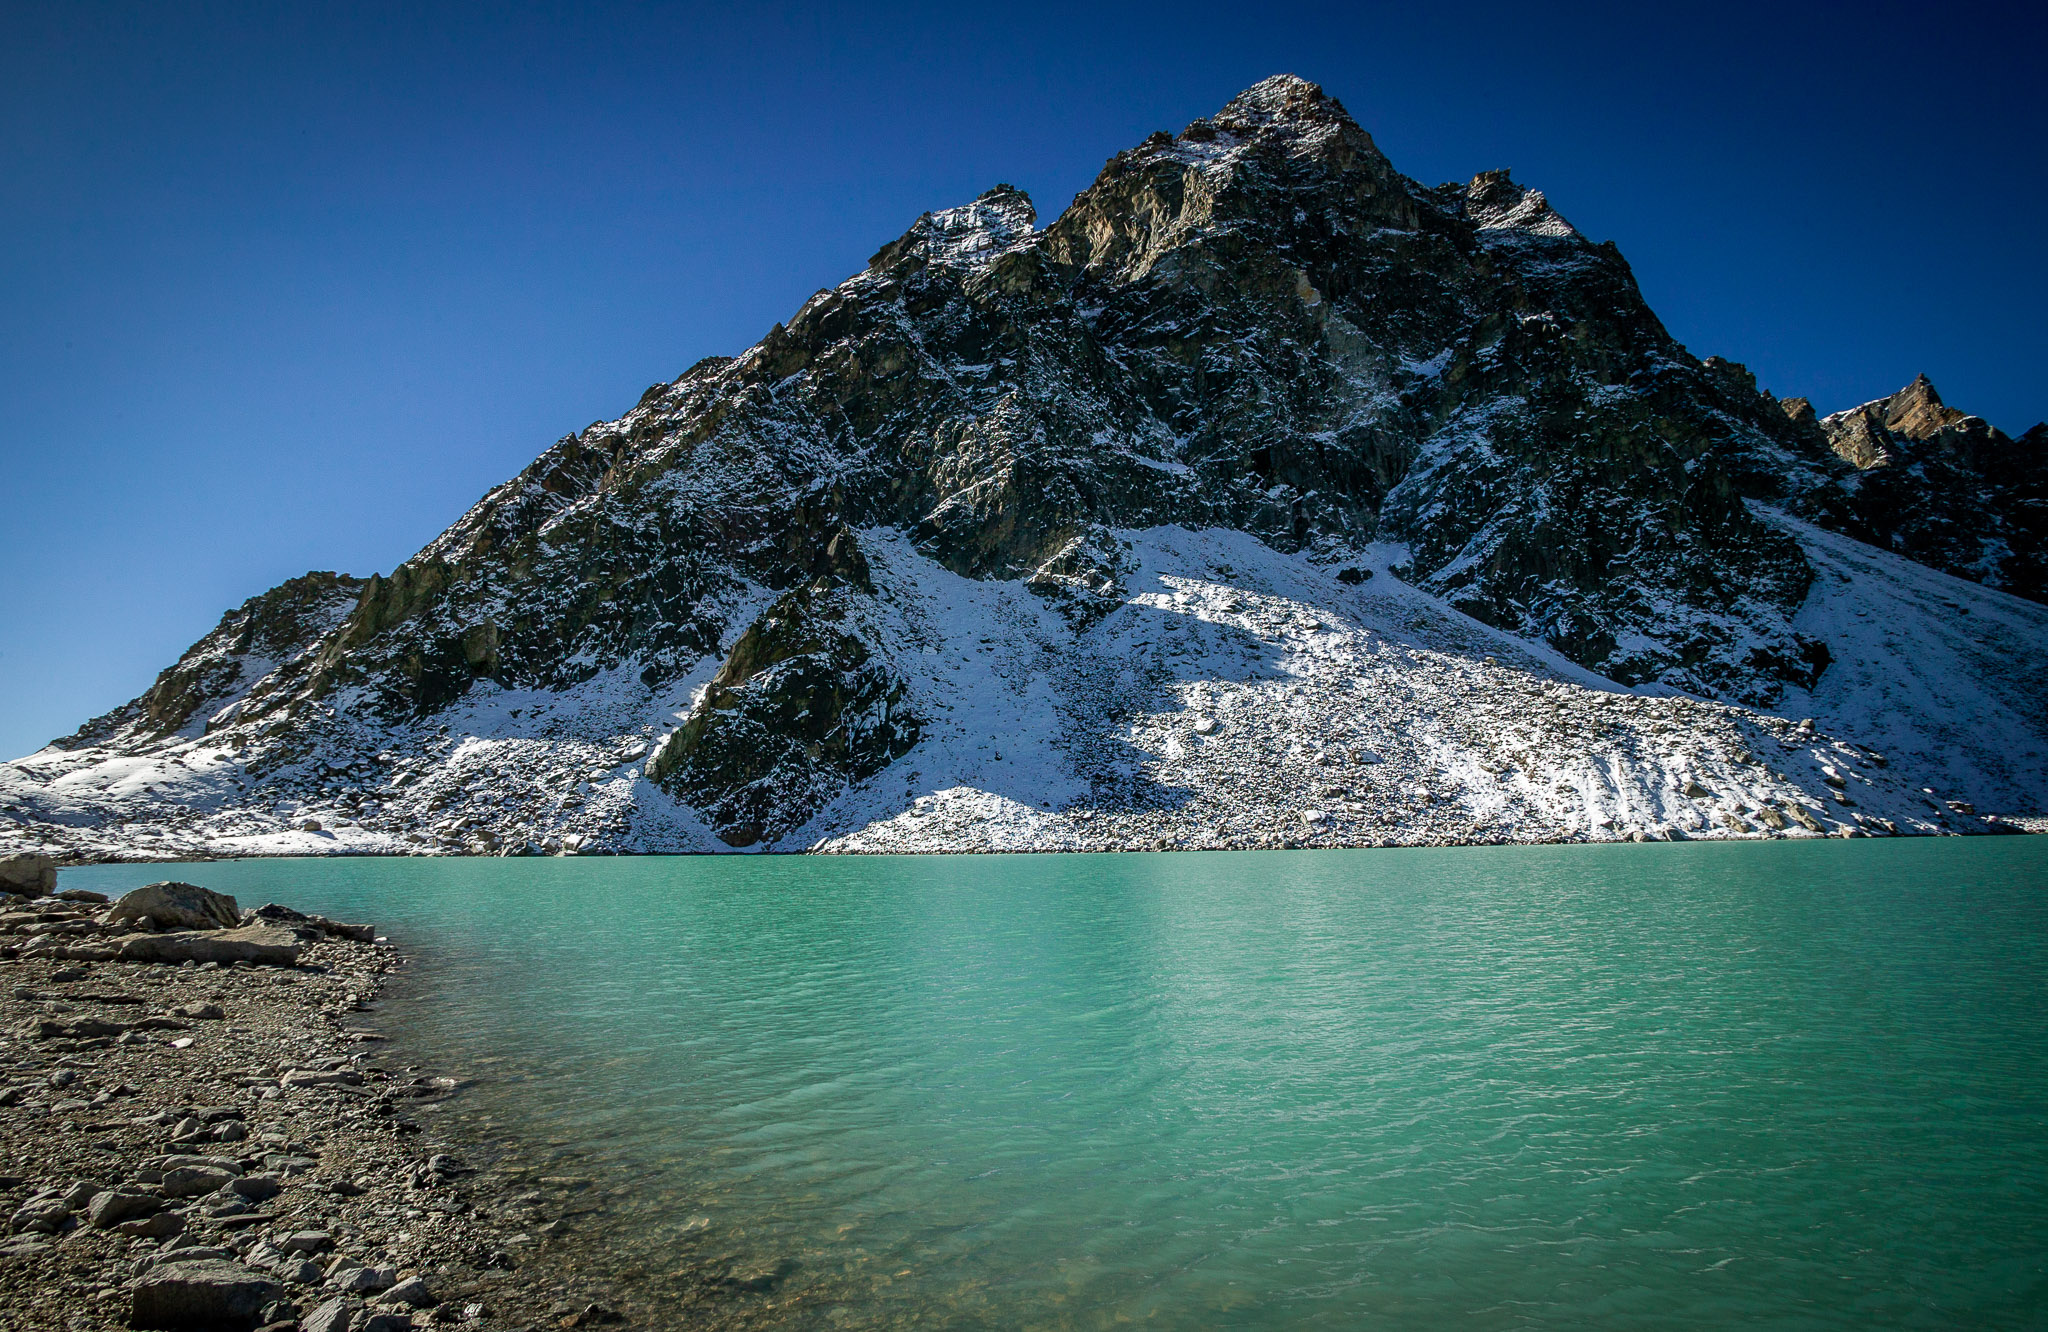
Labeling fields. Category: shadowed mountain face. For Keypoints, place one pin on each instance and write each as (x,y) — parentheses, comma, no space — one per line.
(1256,325)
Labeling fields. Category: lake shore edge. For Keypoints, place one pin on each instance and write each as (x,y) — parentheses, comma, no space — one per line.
(204,1130)
(1990,825)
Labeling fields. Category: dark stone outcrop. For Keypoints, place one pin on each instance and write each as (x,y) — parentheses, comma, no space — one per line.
(801,706)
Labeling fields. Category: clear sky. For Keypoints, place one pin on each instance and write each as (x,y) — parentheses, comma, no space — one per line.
(288,287)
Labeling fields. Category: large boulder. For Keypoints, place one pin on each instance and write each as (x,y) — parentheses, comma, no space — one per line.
(175,906)
(261,944)
(204,1294)
(30,875)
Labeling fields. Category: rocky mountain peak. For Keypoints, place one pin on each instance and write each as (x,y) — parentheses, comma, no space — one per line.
(1874,433)
(970,236)
(1917,411)
(1281,166)
(1257,336)
(1497,203)
(1284,103)
(1284,115)
(1946,488)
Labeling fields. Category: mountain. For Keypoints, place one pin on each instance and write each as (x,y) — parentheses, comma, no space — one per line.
(1266,496)
(1943,487)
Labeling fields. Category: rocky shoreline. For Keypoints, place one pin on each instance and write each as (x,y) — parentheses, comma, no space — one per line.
(204,1130)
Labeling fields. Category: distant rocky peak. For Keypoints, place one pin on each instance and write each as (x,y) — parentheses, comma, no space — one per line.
(970,236)
(1917,412)
(976,232)
(1283,101)
(1284,112)
(1872,434)
(1497,203)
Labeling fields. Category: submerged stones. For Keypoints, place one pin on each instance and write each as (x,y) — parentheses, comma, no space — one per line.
(215,1189)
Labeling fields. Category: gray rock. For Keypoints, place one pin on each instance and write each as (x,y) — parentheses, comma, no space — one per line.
(194,1181)
(30,875)
(257,1188)
(334,1316)
(73,1029)
(81,1193)
(308,1242)
(163,1225)
(225,1164)
(310,1077)
(411,1291)
(43,1217)
(257,944)
(203,1295)
(111,1208)
(344,930)
(364,1280)
(387,1322)
(175,906)
(192,1253)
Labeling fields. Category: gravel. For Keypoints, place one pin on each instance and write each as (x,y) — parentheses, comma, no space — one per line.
(274,1172)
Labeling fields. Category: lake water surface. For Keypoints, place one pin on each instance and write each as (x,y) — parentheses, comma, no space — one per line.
(1775,1084)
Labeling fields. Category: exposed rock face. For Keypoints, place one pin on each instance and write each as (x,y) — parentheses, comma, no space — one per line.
(1943,487)
(1257,325)
(800,707)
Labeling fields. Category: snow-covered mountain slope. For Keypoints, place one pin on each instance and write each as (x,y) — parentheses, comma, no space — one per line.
(961,555)
(1236,696)
(1947,678)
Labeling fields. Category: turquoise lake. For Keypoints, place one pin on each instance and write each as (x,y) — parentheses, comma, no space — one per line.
(1783,1084)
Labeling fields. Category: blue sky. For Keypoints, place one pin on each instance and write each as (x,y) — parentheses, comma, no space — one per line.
(288,288)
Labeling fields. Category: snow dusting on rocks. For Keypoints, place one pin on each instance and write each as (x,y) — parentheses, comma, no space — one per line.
(1236,697)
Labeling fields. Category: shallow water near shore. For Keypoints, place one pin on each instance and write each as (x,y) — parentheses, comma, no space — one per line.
(1780,1084)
